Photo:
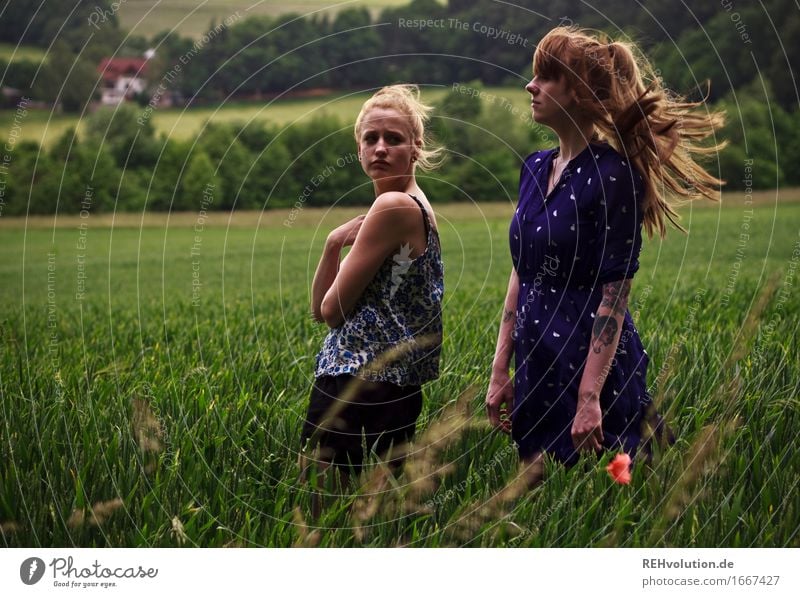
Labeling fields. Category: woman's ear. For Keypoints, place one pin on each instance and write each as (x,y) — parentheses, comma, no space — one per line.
(573,94)
(417,148)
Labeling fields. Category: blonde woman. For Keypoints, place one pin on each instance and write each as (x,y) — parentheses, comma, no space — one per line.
(385,293)
(624,144)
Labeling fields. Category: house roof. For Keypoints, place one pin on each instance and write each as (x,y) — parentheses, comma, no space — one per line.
(114,68)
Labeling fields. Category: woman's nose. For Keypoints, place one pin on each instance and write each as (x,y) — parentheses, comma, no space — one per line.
(531,88)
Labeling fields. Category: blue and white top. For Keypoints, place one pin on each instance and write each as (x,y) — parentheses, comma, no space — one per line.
(402,304)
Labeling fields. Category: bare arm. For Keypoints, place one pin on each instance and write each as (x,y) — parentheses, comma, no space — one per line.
(500,396)
(328,265)
(587,431)
(505,342)
(391,221)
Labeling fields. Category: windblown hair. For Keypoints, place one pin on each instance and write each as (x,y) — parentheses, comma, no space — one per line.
(405,99)
(659,132)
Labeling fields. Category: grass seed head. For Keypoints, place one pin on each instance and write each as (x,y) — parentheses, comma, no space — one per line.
(96,515)
(147,429)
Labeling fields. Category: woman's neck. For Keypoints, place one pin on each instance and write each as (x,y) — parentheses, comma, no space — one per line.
(573,140)
(401,184)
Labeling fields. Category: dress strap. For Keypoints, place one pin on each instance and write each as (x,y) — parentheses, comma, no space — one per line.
(425,217)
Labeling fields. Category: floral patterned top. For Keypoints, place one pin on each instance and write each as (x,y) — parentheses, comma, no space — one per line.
(401,307)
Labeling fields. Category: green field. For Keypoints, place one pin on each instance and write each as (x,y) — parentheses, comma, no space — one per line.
(192,19)
(136,413)
(10,52)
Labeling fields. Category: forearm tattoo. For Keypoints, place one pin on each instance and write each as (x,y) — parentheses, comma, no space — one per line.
(615,296)
(604,332)
(507,315)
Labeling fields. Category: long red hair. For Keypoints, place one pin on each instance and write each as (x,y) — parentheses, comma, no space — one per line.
(659,132)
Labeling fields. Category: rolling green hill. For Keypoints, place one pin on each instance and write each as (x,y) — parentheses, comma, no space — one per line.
(143,17)
(10,52)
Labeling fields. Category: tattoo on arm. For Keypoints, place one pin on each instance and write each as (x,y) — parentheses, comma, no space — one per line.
(507,315)
(603,332)
(615,296)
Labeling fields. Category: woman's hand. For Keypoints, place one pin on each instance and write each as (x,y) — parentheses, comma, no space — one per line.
(500,400)
(345,235)
(587,428)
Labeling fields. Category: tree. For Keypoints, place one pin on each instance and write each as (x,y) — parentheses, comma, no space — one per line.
(68,79)
(131,143)
(39,23)
(351,49)
(83,173)
(268,160)
(25,189)
(200,185)
(169,172)
(749,131)
(19,74)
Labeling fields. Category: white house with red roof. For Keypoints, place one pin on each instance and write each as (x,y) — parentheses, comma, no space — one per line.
(122,78)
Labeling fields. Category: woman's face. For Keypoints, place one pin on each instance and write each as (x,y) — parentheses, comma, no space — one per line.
(385,144)
(551,100)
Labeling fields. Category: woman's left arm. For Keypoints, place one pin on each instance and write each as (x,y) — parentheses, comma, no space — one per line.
(620,229)
(587,429)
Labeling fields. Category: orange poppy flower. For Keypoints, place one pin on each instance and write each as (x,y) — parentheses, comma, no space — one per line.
(620,468)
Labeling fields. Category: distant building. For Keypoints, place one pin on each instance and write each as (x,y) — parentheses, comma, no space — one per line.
(122,78)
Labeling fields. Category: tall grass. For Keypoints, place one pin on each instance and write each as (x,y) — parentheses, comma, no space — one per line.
(134,417)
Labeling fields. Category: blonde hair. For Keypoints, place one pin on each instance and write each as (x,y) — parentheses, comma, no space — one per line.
(405,99)
(658,131)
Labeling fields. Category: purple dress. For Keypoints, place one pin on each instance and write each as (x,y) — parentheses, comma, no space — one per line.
(564,247)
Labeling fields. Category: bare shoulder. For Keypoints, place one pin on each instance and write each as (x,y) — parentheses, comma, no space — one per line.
(402,203)
(395,200)
(395,209)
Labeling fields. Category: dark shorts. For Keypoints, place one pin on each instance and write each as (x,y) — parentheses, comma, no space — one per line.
(381,413)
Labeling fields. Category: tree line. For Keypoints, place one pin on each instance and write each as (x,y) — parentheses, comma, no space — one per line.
(129,167)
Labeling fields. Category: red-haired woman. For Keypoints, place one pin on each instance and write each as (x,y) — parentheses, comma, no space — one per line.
(624,144)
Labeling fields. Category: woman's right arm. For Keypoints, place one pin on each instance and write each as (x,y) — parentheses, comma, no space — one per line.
(500,397)
(328,266)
